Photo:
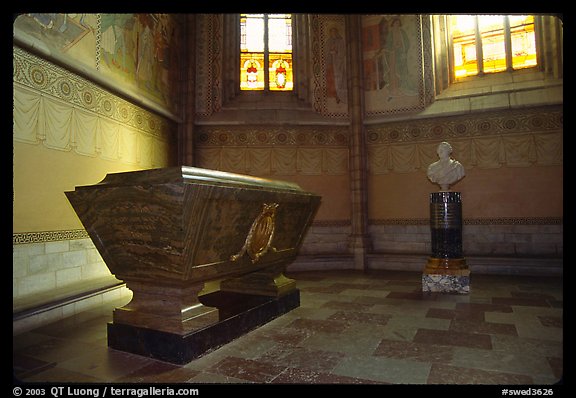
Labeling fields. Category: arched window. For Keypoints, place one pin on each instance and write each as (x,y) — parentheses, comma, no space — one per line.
(266,52)
(492,43)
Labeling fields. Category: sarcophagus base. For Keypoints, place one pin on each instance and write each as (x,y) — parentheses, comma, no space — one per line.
(167,232)
(173,309)
(239,313)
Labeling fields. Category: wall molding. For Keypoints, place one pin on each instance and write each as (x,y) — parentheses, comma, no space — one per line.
(474,221)
(48,236)
(51,80)
(466,221)
(53,236)
(478,124)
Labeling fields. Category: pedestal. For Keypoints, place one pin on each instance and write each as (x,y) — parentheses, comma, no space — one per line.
(446,270)
(239,314)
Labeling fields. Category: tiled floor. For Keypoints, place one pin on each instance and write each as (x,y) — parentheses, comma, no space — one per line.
(350,328)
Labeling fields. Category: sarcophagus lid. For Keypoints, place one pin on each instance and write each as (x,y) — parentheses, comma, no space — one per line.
(186,224)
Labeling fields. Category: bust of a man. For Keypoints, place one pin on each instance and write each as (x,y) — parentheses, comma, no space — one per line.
(445,171)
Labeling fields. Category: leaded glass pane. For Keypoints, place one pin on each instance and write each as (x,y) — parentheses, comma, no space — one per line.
(279,34)
(463,29)
(523,41)
(280,72)
(251,71)
(252,33)
(493,47)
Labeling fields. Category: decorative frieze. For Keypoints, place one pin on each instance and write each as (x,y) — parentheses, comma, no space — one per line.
(481,124)
(474,221)
(48,236)
(47,79)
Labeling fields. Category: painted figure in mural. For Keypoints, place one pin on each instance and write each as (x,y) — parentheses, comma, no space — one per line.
(394,65)
(445,171)
(116,41)
(336,66)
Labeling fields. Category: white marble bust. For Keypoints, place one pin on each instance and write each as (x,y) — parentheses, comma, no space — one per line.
(445,171)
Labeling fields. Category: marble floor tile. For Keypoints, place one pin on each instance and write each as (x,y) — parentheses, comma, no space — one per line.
(247,369)
(351,328)
(346,305)
(61,375)
(478,326)
(105,364)
(217,378)
(358,339)
(551,321)
(525,363)
(58,350)
(304,376)
(451,338)
(318,325)
(446,374)
(444,313)
(528,302)
(414,351)
(541,347)
(159,372)
(382,369)
(302,357)
(372,292)
(24,366)
(360,317)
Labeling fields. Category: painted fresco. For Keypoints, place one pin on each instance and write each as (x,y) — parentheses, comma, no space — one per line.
(137,50)
(332,79)
(73,35)
(392,53)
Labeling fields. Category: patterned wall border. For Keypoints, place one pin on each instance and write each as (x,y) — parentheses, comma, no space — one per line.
(204,60)
(331,223)
(53,236)
(474,221)
(264,135)
(48,236)
(54,81)
(548,118)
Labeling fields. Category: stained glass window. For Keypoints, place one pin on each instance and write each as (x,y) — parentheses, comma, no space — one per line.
(492,43)
(266,52)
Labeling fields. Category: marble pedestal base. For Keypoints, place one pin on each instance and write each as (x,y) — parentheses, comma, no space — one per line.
(446,276)
(437,283)
(238,313)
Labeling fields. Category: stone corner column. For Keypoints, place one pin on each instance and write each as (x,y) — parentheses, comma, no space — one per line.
(359,240)
(446,270)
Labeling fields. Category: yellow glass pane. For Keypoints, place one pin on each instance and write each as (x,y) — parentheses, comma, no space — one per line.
(280,72)
(462,25)
(251,71)
(279,34)
(252,33)
(493,46)
(463,28)
(523,41)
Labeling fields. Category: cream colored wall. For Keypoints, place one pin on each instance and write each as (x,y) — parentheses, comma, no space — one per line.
(68,131)
(41,176)
(513,161)
(535,192)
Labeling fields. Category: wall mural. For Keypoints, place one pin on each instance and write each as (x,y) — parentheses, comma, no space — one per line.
(332,79)
(137,50)
(393,78)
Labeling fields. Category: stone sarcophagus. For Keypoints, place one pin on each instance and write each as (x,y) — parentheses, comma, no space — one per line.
(166,232)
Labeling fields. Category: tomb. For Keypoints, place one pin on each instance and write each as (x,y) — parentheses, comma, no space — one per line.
(167,232)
